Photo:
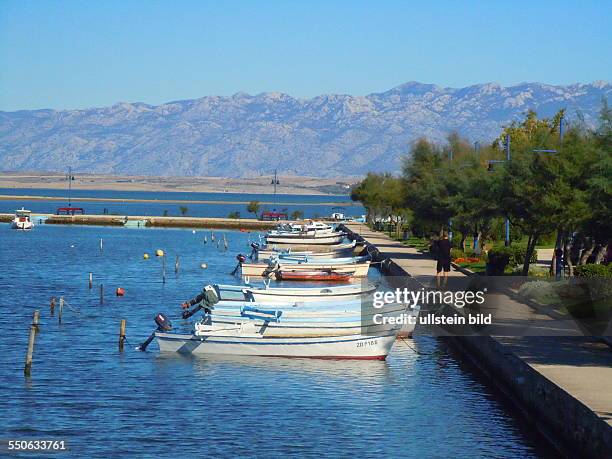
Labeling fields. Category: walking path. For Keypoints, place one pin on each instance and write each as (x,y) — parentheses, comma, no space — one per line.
(580,366)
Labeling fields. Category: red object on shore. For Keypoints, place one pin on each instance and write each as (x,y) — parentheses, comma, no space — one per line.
(120,291)
(330,276)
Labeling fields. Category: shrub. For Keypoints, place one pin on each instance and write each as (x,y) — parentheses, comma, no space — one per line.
(593,271)
(519,252)
(457,253)
(501,256)
(498,258)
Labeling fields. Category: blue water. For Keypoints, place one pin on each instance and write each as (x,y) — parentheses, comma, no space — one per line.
(105,404)
(311,205)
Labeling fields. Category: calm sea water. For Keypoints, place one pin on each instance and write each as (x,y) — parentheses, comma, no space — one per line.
(311,205)
(107,404)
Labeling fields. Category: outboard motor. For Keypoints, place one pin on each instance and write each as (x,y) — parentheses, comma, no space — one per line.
(163,324)
(255,248)
(209,299)
(241,259)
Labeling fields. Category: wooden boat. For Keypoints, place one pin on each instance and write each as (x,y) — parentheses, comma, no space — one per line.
(271,325)
(306,294)
(291,247)
(22,220)
(310,228)
(301,259)
(264,270)
(323,239)
(233,342)
(328,276)
(328,251)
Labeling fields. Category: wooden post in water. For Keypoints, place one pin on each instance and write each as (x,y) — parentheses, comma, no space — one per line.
(90,280)
(61,309)
(164,268)
(27,369)
(101,293)
(52,306)
(176,265)
(121,334)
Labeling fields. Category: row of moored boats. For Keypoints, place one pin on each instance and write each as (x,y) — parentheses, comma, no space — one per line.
(332,318)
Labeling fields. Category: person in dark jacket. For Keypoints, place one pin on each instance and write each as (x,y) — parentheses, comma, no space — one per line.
(443,257)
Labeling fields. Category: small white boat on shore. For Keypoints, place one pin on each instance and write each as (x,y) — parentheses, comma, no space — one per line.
(22,220)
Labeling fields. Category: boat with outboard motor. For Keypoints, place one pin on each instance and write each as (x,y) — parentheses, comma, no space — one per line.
(358,268)
(298,238)
(323,251)
(268,294)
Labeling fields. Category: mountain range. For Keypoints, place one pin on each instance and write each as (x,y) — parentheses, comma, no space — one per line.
(244,135)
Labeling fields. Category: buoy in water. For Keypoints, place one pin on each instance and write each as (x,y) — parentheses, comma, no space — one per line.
(203,265)
(193,231)
(146,256)
(120,291)
(159,253)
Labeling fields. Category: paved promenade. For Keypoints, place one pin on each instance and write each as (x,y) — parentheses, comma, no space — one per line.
(579,366)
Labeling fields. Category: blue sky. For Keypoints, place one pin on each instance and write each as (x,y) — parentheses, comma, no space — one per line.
(65,54)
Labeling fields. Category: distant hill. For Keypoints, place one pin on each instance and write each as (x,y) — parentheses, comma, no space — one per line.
(244,135)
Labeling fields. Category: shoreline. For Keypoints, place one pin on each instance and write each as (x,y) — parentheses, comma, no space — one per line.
(256,185)
(7,197)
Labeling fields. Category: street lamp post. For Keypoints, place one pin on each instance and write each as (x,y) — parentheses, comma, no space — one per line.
(507,145)
(450,220)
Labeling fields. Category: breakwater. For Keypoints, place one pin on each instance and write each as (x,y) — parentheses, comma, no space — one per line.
(164,222)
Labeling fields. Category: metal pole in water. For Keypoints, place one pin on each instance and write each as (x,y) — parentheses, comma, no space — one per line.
(121,334)
(27,369)
(61,309)
(90,280)
(101,245)
(176,265)
(101,293)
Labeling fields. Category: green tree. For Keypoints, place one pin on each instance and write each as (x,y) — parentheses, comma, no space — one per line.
(297,215)
(183,210)
(253,207)
(234,214)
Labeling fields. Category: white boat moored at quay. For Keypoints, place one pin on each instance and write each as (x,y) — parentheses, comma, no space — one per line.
(264,270)
(360,347)
(269,294)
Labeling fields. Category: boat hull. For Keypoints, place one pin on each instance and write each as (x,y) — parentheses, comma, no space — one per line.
(312,248)
(314,276)
(265,255)
(342,347)
(287,295)
(260,269)
(22,225)
(323,240)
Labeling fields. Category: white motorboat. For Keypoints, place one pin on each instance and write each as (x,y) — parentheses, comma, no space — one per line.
(22,220)
(307,247)
(269,294)
(300,239)
(265,270)
(233,342)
